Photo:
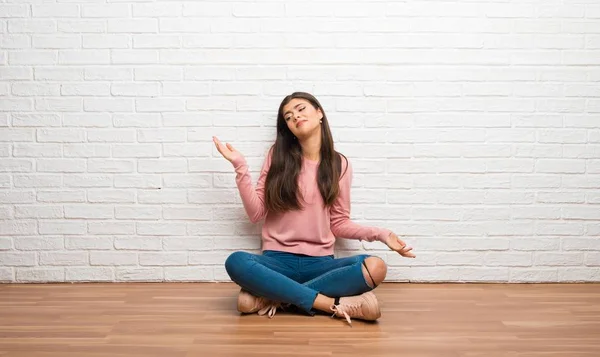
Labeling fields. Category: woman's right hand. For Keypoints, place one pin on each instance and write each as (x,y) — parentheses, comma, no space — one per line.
(227,150)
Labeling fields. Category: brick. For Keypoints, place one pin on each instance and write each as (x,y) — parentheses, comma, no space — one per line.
(42,120)
(85,89)
(133,26)
(110,166)
(136,120)
(105,10)
(108,73)
(86,150)
(136,90)
(187,181)
(111,136)
(138,181)
(141,56)
(193,213)
(479,274)
(56,42)
(195,273)
(113,258)
(16,135)
(164,258)
(533,275)
(55,10)
(61,165)
(558,259)
(17,196)
(146,243)
(171,165)
(59,104)
(84,57)
(6,243)
(162,196)
(592,259)
(91,274)
(55,227)
(39,243)
(160,229)
(510,259)
(32,26)
(578,274)
(18,228)
(64,258)
(197,243)
(61,196)
(14,259)
(105,41)
(89,211)
(89,243)
(138,212)
(103,228)
(140,274)
(161,135)
(56,135)
(40,275)
(7,275)
(157,10)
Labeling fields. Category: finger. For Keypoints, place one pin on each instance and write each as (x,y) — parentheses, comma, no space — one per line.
(230,147)
(405,251)
(219,149)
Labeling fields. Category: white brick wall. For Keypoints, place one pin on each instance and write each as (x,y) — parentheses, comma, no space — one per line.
(473,128)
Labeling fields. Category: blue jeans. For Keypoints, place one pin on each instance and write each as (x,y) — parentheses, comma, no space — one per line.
(295,278)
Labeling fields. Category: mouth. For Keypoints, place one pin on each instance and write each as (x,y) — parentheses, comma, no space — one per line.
(300,123)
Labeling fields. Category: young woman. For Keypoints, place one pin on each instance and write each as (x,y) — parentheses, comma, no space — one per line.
(303,194)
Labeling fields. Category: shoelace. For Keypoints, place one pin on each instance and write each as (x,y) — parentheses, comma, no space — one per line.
(352,309)
(270,309)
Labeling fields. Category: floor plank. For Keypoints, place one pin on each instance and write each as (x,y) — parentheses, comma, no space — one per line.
(199,319)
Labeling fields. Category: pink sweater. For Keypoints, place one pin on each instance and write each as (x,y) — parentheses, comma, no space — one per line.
(313,230)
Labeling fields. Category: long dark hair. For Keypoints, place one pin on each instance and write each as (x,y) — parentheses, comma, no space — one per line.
(281,185)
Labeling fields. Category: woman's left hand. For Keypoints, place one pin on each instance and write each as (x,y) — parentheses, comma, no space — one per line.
(396,244)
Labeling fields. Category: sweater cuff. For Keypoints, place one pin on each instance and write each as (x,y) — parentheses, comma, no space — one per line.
(383,235)
(238,162)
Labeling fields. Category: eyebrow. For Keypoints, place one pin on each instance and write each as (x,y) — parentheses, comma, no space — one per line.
(295,106)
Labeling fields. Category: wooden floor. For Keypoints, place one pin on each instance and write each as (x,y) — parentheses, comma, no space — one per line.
(199,319)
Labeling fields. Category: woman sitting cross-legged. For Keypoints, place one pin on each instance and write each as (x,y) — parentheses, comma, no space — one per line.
(303,194)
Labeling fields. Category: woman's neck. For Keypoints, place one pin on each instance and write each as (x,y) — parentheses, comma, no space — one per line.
(311,147)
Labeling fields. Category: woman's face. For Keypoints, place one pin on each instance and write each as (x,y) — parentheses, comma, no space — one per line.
(302,118)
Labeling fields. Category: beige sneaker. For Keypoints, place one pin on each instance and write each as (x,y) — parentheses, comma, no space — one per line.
(364,307)
(248,304)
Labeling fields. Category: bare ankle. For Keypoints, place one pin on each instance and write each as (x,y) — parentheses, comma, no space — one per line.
(323,303)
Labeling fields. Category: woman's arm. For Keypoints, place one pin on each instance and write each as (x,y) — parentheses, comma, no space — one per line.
(252,198)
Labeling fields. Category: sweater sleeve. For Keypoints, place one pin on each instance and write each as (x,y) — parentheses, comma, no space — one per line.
(341,225)
(253,198)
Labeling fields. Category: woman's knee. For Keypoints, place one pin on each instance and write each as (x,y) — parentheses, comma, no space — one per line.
(236,263)
(375,270)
